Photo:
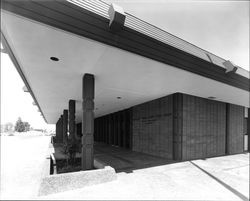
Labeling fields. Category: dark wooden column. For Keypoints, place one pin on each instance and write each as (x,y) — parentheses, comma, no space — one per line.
(109,129)
(88,94)
(102,133)
(112,129)
(72,109)
(60,129)
(124,129)
(97,129)
(57,135)
(119,129)
(105,130)
(65,126)
(248,129)
(115,129)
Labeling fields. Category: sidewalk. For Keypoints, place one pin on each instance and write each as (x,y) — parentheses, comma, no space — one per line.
(22,160)
(227,178)
(220,178)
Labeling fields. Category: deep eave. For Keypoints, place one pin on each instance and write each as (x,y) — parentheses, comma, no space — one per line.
(19,70)
(75,19)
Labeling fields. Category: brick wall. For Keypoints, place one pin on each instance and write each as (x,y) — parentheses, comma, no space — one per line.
(152,127)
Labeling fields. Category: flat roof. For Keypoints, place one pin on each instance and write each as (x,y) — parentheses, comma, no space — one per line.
(101,8)
(139,64)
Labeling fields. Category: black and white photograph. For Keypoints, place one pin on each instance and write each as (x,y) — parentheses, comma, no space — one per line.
(125,100)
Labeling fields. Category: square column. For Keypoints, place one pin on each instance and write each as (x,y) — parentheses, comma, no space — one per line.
(248,130)
(72,109)
(88,94)
(57,131)
(65,126)
(59,136)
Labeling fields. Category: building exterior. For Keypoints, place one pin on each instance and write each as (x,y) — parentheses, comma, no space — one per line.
(107,76)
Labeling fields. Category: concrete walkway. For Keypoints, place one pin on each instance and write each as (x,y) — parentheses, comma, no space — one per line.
(224,178)
(221,178)
(22,160)
(125,160)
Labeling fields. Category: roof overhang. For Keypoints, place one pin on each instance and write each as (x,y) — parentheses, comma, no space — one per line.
(126,64)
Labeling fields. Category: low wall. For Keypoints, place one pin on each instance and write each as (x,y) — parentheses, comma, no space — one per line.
(70,181)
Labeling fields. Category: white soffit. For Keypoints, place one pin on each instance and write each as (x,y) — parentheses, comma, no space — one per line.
(134,78)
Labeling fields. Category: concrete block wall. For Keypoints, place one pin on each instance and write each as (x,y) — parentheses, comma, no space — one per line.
(152,127)
(204,128)
(178,126)
(235,129)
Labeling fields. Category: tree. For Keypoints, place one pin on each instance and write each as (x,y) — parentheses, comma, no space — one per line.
(8,127)
(22,126)
(19,127)
(26,126)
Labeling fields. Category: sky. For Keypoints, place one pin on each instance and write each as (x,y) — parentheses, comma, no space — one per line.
(221,27)
(14,101)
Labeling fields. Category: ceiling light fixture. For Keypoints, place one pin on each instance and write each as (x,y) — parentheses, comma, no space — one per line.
(54,58)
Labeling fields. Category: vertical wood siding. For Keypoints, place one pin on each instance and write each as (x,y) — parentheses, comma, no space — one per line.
(114,129)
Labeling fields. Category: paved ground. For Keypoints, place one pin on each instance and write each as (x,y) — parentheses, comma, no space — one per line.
(22,160)
(222,178)
(140,176)
(124,160)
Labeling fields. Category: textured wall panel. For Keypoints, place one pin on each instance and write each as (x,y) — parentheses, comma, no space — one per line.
(177,126)
(204,128)
(235,133)
(153,127)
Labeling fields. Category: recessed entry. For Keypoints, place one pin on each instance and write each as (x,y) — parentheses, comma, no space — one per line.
(54,58)
(118,97)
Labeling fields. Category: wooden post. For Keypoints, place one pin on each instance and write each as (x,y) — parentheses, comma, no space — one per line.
(60,129)
(65,126)
(72,109)
(119,129)
(88,92)
(57,131)
(124,129)
(109,129)
(248,130)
